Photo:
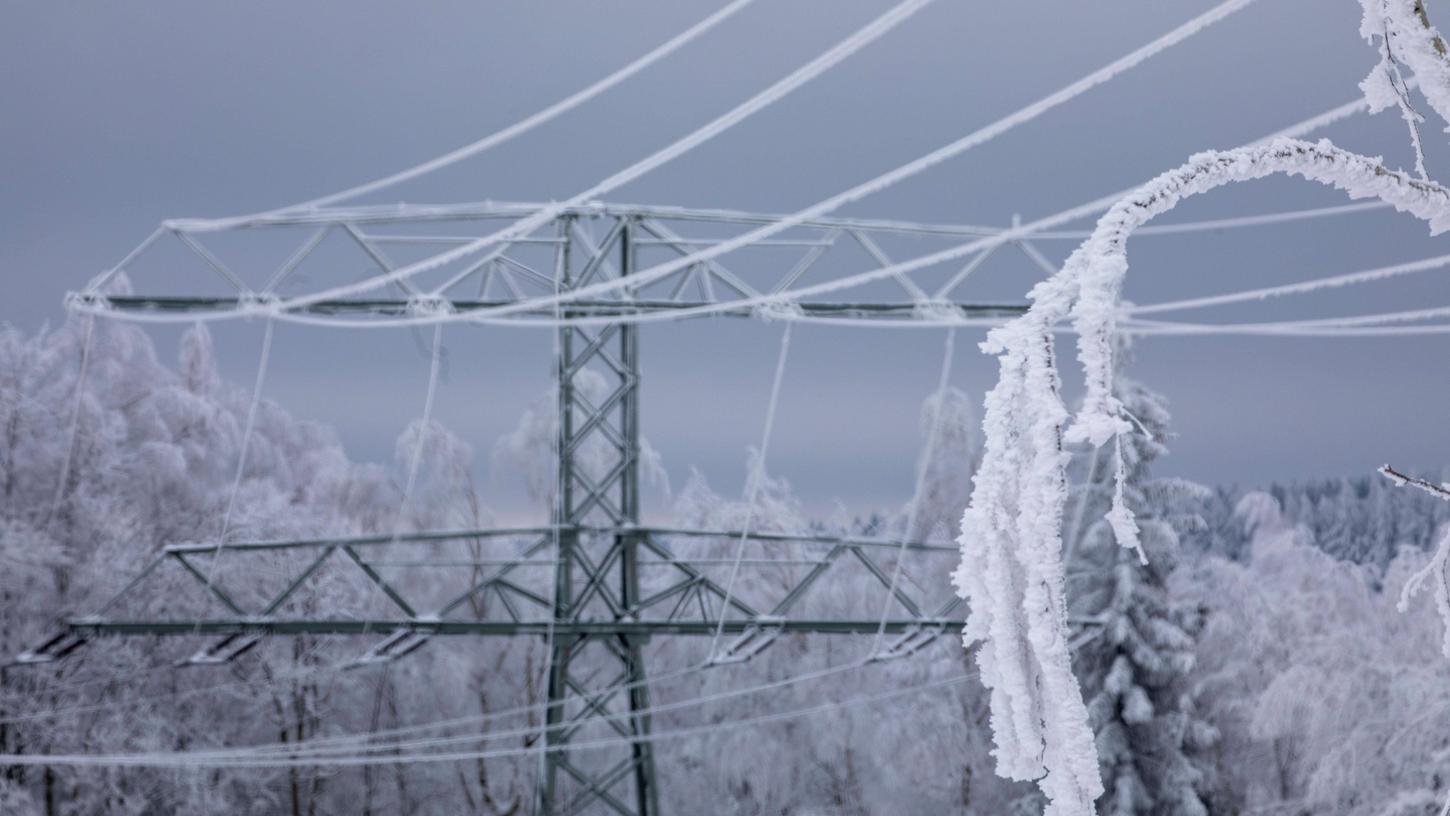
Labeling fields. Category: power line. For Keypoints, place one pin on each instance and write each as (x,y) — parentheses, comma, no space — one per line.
(902,172)
(1305,287)
(498,137)
(75,415)
(251,421)
(367,743)
(812,69)
(914,510)
(755,477)
(188,759)
(826,206)
(1328,326)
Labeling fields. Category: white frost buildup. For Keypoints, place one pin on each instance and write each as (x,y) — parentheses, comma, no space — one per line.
(1433,571)
(1012,576)
(1092,277)
(1011,572)
(1405,36)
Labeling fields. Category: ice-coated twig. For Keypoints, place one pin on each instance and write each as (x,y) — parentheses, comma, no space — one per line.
(1405,36)
(1438,562)
(1385,84)
(1439,491)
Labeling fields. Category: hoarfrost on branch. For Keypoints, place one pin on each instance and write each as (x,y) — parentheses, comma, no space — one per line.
(1011,571)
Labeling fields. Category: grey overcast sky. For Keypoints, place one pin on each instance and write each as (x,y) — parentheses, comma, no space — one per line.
(117,115)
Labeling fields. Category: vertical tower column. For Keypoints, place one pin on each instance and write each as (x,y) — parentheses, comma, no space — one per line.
(596,684)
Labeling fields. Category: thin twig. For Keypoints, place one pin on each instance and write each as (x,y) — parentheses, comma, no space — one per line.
(1400,479)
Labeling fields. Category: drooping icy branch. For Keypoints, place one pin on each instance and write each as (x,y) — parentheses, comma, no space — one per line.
(1011,572)
(1088,285)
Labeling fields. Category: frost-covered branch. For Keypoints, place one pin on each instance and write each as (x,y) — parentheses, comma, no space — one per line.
(1405,36)
(1439,491)
(1402,27)
(1011,571)
(1089,283)
(1438,562)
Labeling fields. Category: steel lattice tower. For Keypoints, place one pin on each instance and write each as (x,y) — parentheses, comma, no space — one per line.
(595,606)
(604,565)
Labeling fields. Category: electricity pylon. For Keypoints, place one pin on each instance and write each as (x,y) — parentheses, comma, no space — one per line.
(613,582)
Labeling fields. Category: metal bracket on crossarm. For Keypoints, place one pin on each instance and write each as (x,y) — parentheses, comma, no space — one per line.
(762,632)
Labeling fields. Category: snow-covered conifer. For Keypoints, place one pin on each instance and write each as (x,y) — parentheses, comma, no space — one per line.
(1137,651)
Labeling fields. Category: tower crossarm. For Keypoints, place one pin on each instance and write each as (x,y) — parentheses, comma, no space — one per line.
(398,576)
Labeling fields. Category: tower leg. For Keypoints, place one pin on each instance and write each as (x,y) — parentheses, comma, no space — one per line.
(596,687)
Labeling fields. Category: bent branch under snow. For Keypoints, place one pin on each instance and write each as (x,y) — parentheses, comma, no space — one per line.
(1011,572)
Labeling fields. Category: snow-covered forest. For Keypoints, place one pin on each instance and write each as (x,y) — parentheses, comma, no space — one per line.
(1257,665)
(175,639)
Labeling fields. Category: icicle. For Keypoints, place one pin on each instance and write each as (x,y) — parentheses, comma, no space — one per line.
(1122,520)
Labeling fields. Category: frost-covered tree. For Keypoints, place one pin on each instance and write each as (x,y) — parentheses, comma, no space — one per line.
(1321,689)
(947,474)
(106,455)
(1137,653)
(909,757)
(138,414)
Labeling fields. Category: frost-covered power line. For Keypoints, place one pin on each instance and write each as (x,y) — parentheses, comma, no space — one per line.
(1303,287)
(923,163)
(195,759)
(928,457)
(1293,326)
(812,69)
(1040,226)
(498,137)
(819,65)
(388,741)
(63,483)
(264,358)
(856,193)
(755,477)
(1043,228)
